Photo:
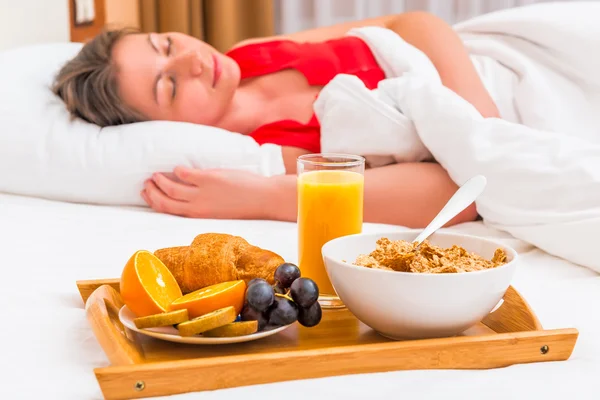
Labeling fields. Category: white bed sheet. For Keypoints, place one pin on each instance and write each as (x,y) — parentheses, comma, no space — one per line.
(49,351)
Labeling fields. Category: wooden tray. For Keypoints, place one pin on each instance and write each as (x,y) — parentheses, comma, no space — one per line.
(340,345)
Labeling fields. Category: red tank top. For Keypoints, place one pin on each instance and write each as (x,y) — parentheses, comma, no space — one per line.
(319,63)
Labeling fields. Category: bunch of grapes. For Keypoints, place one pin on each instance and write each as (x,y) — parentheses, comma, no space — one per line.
(292,298)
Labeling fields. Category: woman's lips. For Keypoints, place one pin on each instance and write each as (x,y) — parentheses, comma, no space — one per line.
(216,70)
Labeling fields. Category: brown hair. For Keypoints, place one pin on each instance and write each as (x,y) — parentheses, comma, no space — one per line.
(88,85)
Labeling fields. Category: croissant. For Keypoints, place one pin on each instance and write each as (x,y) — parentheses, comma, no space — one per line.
(217,257)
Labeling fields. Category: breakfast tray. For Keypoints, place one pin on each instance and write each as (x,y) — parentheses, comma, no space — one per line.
(141,366)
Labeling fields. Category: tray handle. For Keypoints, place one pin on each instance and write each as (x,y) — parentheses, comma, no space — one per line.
(514,315)
(87,287)
(119,344)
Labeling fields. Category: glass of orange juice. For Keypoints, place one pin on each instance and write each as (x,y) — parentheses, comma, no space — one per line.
(330,205)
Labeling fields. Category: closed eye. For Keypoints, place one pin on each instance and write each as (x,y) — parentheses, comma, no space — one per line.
(171,78)
(174,85)
(169,45)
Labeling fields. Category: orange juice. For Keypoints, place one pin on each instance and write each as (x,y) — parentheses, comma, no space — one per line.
(330,205)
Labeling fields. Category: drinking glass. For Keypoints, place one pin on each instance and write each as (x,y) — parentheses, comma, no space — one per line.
(330,205)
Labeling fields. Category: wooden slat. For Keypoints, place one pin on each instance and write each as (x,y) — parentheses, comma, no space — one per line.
(477,352)
(119,344)
(87,287)
(514,315)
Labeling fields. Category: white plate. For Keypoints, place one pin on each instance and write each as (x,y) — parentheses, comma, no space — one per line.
(171,334)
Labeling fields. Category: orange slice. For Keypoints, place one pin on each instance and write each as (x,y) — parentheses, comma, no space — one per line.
(207,322)
(233,329)
(147,286)
(211,298)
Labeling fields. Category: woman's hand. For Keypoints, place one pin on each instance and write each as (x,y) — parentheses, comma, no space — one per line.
(217,194)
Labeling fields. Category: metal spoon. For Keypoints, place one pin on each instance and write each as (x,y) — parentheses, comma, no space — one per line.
(464,196)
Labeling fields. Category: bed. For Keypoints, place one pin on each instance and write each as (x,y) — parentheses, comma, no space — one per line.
(52,351)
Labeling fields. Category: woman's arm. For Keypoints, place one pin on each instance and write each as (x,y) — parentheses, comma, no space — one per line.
(430,34)
(445,49)
(290,156)
(408,194)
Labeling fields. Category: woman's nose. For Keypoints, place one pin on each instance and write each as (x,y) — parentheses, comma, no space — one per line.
(187,63)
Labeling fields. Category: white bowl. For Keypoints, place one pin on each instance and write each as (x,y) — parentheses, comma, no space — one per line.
(401,305)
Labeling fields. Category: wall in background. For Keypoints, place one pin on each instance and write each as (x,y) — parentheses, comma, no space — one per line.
(297,15)
(221,23)
(24,22)
(123,13)
(86,18)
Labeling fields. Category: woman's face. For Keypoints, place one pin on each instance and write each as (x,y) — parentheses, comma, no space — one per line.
(175,77)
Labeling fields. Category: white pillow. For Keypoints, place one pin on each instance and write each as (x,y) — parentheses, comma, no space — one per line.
(46,153)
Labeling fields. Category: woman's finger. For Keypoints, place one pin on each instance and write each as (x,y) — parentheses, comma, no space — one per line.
(190,175)
(162,203)
(145,197)
(174,190)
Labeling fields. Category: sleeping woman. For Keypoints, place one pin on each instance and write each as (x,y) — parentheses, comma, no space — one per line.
(264,88)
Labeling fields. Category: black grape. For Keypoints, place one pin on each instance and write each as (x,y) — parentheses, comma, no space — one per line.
(285,274)
(310,316)
(283,312)
(305,292)
(255,280)
(250,314)
(260,296)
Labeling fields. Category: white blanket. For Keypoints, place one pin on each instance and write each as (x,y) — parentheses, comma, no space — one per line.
(542,161)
